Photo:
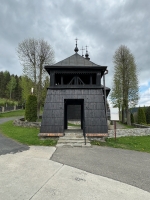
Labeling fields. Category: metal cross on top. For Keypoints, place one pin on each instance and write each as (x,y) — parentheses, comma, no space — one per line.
(76,40)
(86,48)
(82,51)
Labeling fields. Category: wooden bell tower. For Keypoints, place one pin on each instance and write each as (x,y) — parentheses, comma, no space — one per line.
(75,81)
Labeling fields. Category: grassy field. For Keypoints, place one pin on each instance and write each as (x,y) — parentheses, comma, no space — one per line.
(28,136)
(138,143)
(13,113)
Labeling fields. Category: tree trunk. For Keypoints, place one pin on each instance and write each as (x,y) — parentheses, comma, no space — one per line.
(128,118)
(123,121)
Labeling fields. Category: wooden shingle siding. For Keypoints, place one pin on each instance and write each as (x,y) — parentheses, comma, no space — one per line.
(53,114)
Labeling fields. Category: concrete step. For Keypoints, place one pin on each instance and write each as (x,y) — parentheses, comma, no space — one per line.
(72,141)
(73,138)
(73,145)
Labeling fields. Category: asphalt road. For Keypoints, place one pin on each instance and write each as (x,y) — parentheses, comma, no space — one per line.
(6,119)
(8,145)
(127,166)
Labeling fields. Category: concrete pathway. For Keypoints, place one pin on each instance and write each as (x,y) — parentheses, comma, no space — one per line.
(6,119)
(32,175)
(130,167)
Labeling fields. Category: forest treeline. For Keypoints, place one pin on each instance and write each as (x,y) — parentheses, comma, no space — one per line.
(17,88)
(10,87)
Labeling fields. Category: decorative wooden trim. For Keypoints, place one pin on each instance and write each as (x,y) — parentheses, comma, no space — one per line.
(50,134)
(97,134)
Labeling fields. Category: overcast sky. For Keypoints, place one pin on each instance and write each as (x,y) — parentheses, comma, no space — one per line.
(102,25)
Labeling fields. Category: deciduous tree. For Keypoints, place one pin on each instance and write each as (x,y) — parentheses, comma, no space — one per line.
(11,85)
(125,83)
(34,54)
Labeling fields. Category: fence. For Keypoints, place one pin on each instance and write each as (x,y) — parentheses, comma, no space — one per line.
(9,108)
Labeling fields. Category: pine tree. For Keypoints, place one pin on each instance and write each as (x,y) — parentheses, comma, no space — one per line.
(141,118)
(148,115)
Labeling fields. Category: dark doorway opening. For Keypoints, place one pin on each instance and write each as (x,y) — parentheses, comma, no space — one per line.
(73,111)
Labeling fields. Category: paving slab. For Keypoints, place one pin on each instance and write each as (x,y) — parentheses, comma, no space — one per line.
(32,175)
(73,184)
(24,174)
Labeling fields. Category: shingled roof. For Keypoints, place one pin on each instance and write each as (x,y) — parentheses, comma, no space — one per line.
(76,60)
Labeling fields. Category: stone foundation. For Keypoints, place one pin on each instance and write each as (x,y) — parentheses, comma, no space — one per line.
(129,132)
(21,122)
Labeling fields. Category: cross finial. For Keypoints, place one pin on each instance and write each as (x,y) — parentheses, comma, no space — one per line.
(86,47)
(87,55)
(76,48)
(76,41)
(82,51)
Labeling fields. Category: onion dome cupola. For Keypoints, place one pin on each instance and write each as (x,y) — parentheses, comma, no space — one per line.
(76,48)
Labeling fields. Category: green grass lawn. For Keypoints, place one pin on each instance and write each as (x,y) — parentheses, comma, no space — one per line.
(28,136)
(77,125)
(13,113)
(137,143)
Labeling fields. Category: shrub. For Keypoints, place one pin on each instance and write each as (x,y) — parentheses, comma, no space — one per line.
(132,118)
(31,109)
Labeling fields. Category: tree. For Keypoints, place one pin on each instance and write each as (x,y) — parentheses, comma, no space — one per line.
(141,118)
(44,89)
(26,85)
(1,84)
(132,118)
(148,115)
(34,54)
(11,85)
(17,92)
(124,93)
(31,108)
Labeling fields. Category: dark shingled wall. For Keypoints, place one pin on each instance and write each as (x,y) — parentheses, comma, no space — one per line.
(53,115)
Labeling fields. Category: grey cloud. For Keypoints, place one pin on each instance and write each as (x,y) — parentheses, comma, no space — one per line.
(102,25)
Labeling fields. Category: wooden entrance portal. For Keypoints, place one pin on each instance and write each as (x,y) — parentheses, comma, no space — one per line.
(73,109)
